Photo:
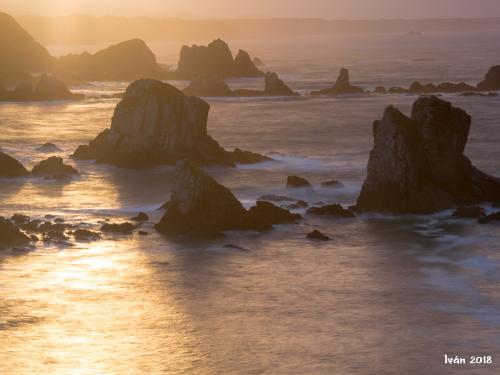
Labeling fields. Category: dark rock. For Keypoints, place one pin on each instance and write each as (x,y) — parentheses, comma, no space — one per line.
(330,210)
(10,167)
(31,226)
(125,61)
(247,157)
(276,87)
(297,182)
(332,184)
(143,233)
(199,205)
(215,59)
(50,88)
(123,228)
(475,93)
(24,91)
(446,87)
(19,219)
(276,198)
(417,165)
(208,86)
(53,168)
(298,205)
(398,90)
(469,212)
(140,217)
(257,61)
(155,123)
(380,90)
(491,80)
(490,218)
(48,227)
(55,236)
(317,235)
(59,220)
(10,235)
(49,147)
(86,235)
(341,86)
(269,214)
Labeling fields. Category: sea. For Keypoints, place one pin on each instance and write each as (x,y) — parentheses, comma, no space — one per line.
(387,295)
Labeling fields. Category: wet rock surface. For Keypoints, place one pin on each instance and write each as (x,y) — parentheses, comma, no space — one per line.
(53,168)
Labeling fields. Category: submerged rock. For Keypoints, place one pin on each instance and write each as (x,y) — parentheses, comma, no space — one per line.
(276,198)
(122,228)
(247,157)
(53,168)
(48,147)
(200,205)
(417,165)
(317,235)
(274,86)
(10,167)
(332,184)
(10,235)
(141,216)
(490,218)
(86,235)
(297,182)
(491,80)
(153,124)
(330,210)
(341,86)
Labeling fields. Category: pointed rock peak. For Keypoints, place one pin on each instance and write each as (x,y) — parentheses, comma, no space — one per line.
(343,79)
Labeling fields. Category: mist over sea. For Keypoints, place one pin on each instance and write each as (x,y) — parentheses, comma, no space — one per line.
(388,295)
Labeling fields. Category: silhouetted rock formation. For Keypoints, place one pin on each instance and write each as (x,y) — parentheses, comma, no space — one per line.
(48,147)
(341,86)
(46,88)
(297,182)
(330,210)
(215,59)
(317,235)
(268,214)
(491,80)
(20,54)
(53,168)
(208,86)
(10,167)
(417,165)
(332,184)
(155,123)
(274,86)
(128,61)
(257,61)
(10,235)
(199,205)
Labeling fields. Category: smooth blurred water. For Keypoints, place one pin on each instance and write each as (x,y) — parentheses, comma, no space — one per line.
(389,295)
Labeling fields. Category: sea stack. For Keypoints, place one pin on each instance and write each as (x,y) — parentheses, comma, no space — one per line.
(274,86)
(342,86)
(417,164)
(155,123)
(10,167)
(491,80)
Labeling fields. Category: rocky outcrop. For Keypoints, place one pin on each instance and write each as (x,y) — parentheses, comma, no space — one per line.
(341,86)
(417,164)
(127,61)
(46,88)
(153,124)
(215,59)
(10,235)
(53,168)
(297,182)
(10,167)
(274,86)
(48,148)
(491,80)
(330,210)
(200,205)
(208,86)
(20,54)
(268,214)
(317,235)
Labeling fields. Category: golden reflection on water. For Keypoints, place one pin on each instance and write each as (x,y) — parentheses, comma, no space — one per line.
(96,309)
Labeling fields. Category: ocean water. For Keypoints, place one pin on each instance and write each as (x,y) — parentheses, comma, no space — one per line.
(388,295)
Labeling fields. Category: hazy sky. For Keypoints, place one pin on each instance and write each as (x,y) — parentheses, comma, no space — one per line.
(336,9)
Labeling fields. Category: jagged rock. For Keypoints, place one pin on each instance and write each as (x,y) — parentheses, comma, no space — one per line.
(274,86)
(10,235)
(86,235)
(332,184)
(446,87)
(490,218)
(200,205)
(10,167)
(208,86)
(19,219)
(269,214)
(155,123)
(55,236)
(53,168)
(125,61)
(330,210)
(469,212)
(297,182)
(122,228)
(491,80)
(341,86)
(247,157)
(215,59)
(48,147)
(140,217)
(417,165)
(317,235)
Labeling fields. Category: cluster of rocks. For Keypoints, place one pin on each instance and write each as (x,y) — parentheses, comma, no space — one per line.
(215,86)
(155,123)
(417,164)
(214,60)
(45,88)
(51,168)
